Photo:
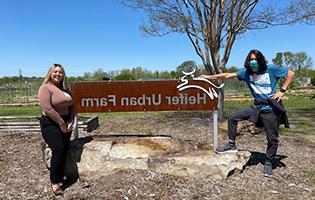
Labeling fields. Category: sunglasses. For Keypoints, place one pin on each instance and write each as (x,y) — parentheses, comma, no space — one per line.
(57,65)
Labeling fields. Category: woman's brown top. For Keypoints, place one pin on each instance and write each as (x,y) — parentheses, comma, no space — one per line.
(55,103)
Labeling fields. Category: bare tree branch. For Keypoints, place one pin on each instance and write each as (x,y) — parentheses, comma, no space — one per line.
(216,24)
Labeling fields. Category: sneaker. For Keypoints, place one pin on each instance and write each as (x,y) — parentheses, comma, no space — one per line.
(228,148)
(268,169)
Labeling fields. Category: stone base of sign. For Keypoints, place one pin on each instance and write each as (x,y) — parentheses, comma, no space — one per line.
(91,158)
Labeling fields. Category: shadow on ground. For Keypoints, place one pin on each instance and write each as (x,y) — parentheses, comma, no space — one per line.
(260,158)
(75,153)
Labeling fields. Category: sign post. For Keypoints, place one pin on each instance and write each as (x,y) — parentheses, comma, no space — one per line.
(215,129)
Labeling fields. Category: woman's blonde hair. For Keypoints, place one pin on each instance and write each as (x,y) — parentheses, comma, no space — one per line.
(64,83)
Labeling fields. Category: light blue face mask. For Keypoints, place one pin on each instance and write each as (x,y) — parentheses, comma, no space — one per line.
(254,65)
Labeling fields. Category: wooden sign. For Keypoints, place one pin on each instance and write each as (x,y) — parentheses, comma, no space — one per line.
(122,96)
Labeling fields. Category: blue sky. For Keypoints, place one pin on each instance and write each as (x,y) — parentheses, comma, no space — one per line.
(87,35)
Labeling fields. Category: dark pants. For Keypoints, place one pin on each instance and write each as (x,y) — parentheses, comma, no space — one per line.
(269,121)
(59,143)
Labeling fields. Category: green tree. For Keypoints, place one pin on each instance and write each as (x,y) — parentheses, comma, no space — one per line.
(231,69)
(72,79)
(97,75)
(298,62)
(148,75)
(137,73)
(186,66)
(173,74)
(125,74)
(278,60)
(166,75)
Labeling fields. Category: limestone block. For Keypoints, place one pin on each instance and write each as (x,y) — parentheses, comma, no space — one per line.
(200,164)
(91,158)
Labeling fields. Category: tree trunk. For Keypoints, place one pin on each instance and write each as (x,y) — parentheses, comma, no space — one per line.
(221,103)
(208,68)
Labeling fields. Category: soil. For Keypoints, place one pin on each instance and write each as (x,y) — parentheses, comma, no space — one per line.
(23,174)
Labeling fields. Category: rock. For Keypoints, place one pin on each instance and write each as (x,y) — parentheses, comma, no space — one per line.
(91,158)
(200,164)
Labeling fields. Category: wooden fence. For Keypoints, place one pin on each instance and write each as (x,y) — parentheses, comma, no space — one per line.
(31,123)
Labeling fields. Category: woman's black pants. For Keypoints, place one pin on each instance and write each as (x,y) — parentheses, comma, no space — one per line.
(270,123)
(59,143)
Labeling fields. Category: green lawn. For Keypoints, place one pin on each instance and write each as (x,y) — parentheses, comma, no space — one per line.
(20,111)
(294,104)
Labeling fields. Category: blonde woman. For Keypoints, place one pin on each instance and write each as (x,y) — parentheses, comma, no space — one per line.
(57,121)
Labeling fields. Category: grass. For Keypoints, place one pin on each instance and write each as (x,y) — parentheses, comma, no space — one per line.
(301,113)
(305,125)
(309,172)
(231,106)
(293,103)
(298,105)
(20,111)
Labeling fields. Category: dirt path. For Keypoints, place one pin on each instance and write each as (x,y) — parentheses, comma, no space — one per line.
(23,175)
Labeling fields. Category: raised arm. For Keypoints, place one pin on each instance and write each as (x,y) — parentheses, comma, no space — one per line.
(219,76)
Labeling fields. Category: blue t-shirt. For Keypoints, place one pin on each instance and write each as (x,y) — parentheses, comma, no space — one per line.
(263,84)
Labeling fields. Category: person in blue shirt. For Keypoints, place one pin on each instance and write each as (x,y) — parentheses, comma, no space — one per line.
(262,80)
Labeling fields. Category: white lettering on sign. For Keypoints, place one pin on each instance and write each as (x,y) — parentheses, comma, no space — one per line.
(90,102)
(210,91)
(141,101)
(185,99)
(154,99)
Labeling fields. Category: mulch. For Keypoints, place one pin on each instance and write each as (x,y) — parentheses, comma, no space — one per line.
(23,174)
